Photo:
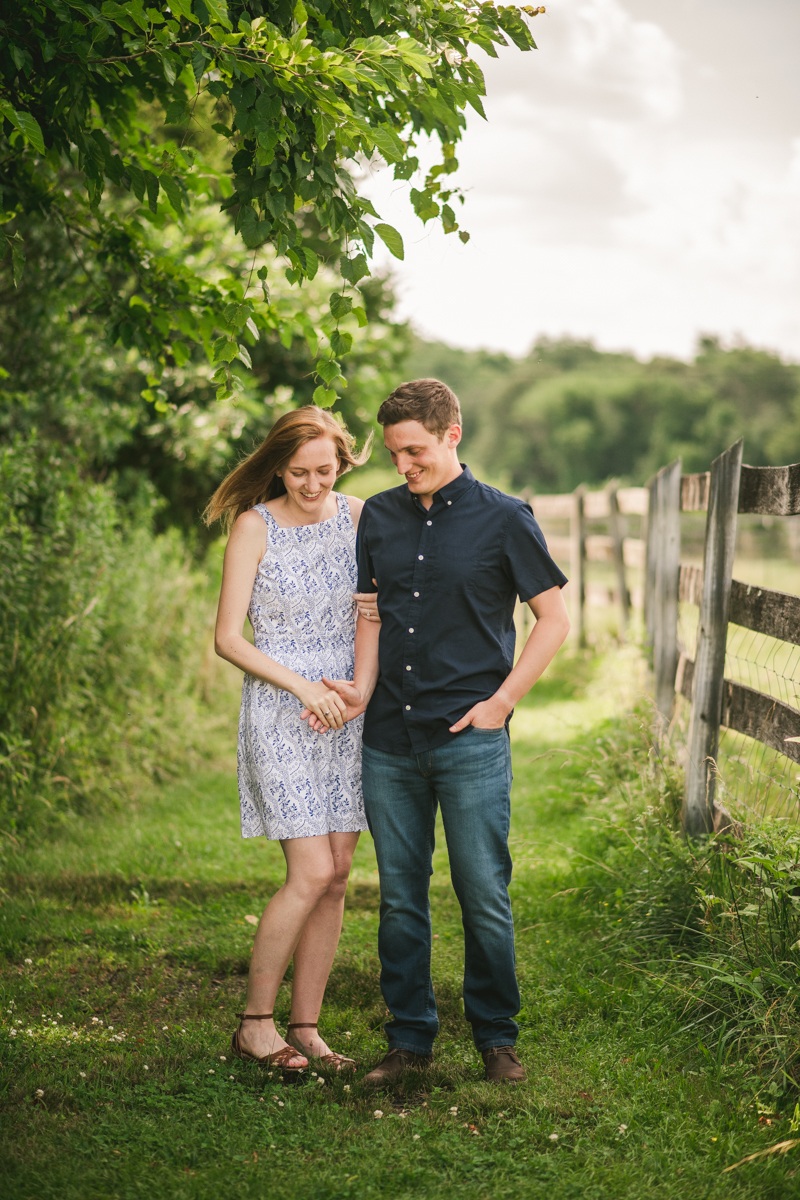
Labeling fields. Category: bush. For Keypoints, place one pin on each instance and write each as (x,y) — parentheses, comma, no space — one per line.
(101,632)
(718,919)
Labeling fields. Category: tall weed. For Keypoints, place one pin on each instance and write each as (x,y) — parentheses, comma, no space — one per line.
(717,919)
(102,628)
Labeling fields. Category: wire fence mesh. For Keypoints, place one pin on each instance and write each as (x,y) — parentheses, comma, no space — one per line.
(752,779)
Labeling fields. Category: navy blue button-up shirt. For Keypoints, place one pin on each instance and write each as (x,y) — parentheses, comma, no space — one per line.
(447,579)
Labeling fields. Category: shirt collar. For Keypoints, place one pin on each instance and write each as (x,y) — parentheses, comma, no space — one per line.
(451,491)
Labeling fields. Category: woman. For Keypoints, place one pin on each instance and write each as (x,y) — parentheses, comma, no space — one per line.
(290,566)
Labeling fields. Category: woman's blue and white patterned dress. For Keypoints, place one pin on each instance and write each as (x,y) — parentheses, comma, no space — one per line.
(293,782)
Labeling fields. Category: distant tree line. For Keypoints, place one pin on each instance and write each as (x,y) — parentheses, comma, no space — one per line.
(569,413)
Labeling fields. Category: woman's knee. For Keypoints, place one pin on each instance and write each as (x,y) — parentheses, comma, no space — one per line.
(338,884)
(314,882)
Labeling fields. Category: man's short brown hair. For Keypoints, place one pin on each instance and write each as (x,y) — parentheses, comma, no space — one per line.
(428,401)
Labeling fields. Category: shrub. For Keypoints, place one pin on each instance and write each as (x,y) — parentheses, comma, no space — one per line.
(101,632)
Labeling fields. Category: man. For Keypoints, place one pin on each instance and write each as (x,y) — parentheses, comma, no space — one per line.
(449,556)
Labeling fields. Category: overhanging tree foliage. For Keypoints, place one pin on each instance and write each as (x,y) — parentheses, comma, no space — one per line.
(296,95)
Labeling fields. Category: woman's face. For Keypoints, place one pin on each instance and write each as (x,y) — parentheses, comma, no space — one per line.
(310,474)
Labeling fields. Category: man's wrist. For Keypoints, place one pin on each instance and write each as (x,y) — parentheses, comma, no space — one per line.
(503,698)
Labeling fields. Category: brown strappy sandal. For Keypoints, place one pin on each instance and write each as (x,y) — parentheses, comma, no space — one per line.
(338,1062)
(281,1058)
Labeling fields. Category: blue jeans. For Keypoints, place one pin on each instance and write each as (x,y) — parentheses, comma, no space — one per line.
(471,780)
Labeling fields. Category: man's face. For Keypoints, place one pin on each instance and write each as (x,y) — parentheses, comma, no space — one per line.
(427,463)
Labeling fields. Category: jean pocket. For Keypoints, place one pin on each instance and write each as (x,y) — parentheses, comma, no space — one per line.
(488,732)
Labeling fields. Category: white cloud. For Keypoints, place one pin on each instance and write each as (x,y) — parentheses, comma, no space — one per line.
(609,198)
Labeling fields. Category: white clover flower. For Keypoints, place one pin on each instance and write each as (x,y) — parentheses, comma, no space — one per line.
(622,1128)
(82,1074)
(222,1057)
(13,1032)
(416,1137)
(454,1109)
(280,1104)
(39,1092)
(211,1071)
(146,1068)
(347,1087)
(28,962)
(377,1114)
(553,1137)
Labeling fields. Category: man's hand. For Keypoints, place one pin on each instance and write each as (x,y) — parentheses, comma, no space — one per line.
(367,603)
(351,704)
(488,714)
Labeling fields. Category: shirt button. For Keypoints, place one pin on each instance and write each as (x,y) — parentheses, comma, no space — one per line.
(420,557)
(449,502)
(408,668)
(411,630)
(408,708)
(429,522)
(416,593)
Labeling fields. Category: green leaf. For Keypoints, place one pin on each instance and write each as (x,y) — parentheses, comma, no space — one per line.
(353,269)
(136,176)
(341,343)
(312,262)
(183,8)
(340,305)
(361,315)
(17,259)
(224,350)
(243,354)
(218,11)
(464,236)
(327,370)
(324,398)
(30,129)
(173,193)
(387,142)
(300,15)
(391,240)
(152,185)
(180,352)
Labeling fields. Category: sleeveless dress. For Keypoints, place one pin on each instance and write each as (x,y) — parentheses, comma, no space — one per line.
(293,782)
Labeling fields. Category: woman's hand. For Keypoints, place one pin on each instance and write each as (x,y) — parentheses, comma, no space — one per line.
(367,603)
(349,697)
(322,703)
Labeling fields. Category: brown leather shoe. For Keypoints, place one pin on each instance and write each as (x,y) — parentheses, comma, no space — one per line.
(394,1065)
(502,1065)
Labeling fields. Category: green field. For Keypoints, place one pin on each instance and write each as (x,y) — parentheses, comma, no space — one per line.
(124,953)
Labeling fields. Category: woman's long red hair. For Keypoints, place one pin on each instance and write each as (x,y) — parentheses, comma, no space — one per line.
(256,478)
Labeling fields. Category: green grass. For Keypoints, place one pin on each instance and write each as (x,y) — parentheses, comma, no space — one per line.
(134,927)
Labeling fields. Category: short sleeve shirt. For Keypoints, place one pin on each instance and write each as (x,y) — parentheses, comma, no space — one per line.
(448,578)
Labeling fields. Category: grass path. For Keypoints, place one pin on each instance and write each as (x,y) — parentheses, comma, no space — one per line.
(124,948)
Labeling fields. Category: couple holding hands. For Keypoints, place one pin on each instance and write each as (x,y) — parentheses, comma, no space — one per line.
(352,720)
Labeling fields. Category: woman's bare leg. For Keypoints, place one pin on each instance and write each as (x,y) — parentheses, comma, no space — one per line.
(310,873)
(316,949)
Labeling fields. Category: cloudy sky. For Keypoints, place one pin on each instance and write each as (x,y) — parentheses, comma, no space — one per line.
(637,182)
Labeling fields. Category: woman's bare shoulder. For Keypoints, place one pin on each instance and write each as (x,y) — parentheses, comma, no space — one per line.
(249,529)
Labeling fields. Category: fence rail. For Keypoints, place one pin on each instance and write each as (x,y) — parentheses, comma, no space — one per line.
(729,488)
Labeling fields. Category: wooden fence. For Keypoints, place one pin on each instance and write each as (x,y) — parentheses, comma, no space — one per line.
(727,489)
(579,508)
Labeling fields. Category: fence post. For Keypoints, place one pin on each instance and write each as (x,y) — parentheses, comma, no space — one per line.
(667,578)
(723,503)
(616,529)
(651,554)
(577,560)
